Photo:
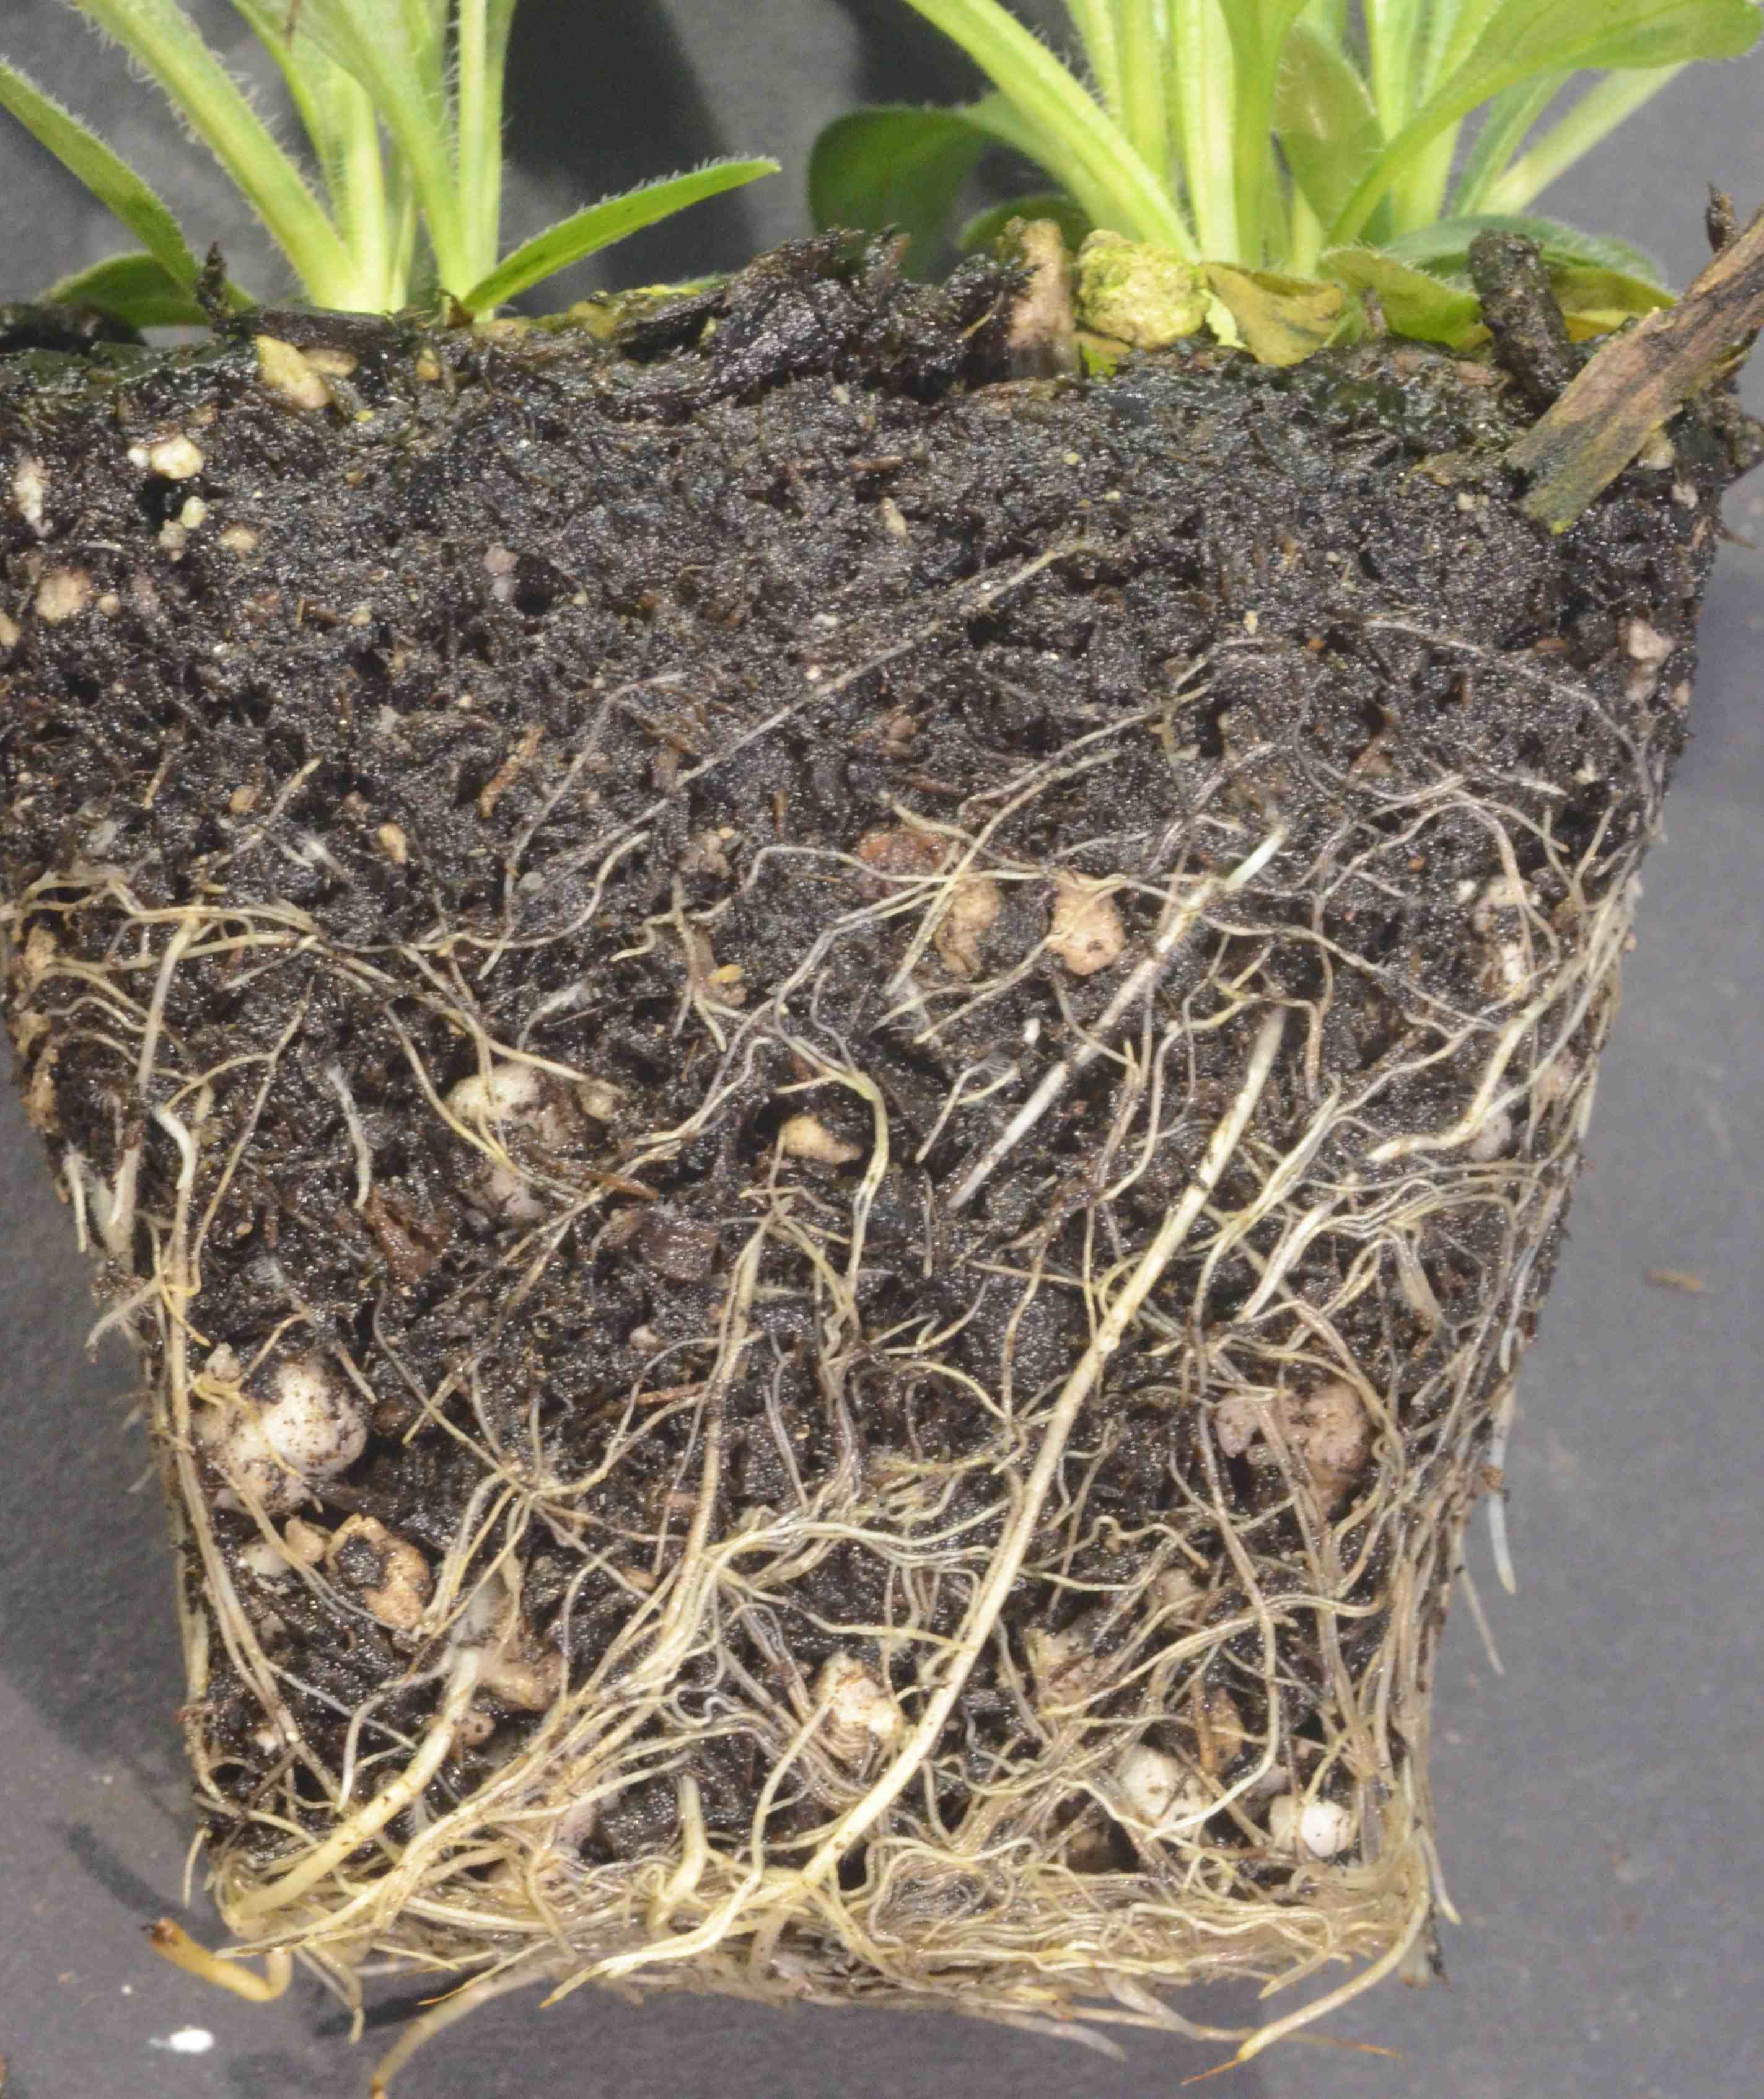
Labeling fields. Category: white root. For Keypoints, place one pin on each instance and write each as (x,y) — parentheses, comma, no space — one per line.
(357,1133)
(1008,1556)
(315,1865)
(1182,916)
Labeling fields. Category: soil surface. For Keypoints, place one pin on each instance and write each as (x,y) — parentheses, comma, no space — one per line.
(876,804)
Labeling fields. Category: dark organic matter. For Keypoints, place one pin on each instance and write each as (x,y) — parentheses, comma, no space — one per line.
(832,1096)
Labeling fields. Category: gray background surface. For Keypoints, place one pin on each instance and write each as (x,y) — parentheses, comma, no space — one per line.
(1599,1802)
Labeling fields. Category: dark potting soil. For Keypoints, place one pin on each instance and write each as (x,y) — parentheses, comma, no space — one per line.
(781,693)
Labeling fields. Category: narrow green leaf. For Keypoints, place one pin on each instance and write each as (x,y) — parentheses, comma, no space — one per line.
(426,24)
(980,232)
(1446,246)
(161,36)
(1277,207)
(338,118)
(1007,124)
(1305,241)
(899,164)
(894,166)
(1414,303)
(1258,30)
(1421,195)
(1394,47)
(138,289)
(1433,53)
(1470,19)
(1524,37)
(1143,114)
(104,173)
(483,42)
(1201,82)
(1082,145)
(1600,111)
(601,224)
(1502,133)
(1094,21)
(395,48)
(411,32)
(276,26)
(1325,122)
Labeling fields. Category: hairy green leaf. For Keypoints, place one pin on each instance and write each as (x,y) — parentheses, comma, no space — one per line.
(395,48)
(1329,19)
(1079,143)
(1445,247)
(136,289)
(1394,31)
(303,65)
(366,35)
(899,164)
(1094,22)
(481,42)
(601,224)
(1526,37)
(1259,29)
(1414,302)
(1143,112)
(896,166)
(161,36)
(104,173)
(1200,76)
(1324,119)
(1007,124)
(338,117)
(1603,108)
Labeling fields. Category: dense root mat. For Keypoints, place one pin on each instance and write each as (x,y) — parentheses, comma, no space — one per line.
(831,1095)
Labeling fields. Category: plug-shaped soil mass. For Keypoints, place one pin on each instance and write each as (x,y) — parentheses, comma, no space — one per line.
(831,1093)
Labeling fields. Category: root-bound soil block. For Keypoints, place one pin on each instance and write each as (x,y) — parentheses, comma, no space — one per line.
(831,1094)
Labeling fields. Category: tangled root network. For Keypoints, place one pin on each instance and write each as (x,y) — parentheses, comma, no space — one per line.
(824,1328)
